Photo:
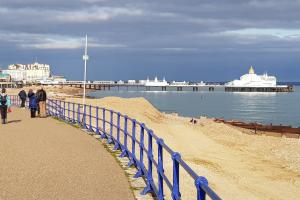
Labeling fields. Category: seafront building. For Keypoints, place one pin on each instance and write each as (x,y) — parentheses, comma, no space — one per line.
(28,73)
(4,77)
(179,83)
(253,80)
(156,82)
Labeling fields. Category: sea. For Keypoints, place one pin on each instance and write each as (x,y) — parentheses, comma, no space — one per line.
(266,108)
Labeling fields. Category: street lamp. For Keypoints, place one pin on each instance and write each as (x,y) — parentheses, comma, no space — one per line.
(85,57)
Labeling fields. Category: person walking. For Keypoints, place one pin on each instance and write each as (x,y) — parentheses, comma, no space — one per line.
(37,94)
(22,94)
(4,105)
(42,97)
(32,103)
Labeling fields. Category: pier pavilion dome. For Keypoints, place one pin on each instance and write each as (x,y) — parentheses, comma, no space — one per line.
(251,70)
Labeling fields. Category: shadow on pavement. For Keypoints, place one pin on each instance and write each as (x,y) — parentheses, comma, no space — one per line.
(13,121)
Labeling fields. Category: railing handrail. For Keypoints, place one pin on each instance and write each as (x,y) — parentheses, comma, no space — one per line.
(58,108)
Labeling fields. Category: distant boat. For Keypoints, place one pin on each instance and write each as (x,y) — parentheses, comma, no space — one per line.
(156,83)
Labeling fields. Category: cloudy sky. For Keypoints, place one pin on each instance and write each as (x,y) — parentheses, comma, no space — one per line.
(132,39)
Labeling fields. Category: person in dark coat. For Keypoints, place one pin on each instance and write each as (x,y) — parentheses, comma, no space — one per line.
(4,105)
(23,96)
(37,94)
(42,97)
(32,103)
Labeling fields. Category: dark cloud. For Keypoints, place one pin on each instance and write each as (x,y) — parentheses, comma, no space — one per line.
(144,33)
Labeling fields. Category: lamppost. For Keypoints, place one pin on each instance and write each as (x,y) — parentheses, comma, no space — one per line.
(85,58)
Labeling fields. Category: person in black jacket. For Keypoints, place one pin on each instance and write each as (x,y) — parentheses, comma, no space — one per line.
(22,95)
(37,94)
(4,105)
(42,97)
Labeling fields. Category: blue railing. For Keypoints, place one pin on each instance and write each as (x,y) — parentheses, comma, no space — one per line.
(135,141)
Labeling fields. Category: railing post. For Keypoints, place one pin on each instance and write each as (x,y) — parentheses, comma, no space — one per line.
(201,194)
(117,143)
(149,181)
(103,124)
(59,106)
(133,158)
(69,111)
(64,111)
(56,108)
(78,114)
(124,147)
(97,120)
(140,164)
(110,138)
(90,117)
(49,110)
(51,107)
(84,116)
(175,191)
(73,120)
(160,169)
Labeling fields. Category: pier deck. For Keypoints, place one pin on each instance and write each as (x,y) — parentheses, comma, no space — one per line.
(48,159)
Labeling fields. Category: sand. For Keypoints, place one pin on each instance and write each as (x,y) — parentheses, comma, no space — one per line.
(52,91)
(237,165)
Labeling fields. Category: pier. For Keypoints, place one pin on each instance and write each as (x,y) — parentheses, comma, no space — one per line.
(138,87)
(179,88)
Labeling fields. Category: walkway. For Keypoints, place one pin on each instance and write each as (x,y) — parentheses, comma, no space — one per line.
(48,159)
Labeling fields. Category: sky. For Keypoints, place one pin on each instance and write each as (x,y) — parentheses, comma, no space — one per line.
(190,40)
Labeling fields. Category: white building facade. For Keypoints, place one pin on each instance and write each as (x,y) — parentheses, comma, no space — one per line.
(253,80)
(156,82)
(29,72)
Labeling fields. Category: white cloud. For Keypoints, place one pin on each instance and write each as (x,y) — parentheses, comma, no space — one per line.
(96,14)
(89,14)
(179,49)
(279,33)
(49,41)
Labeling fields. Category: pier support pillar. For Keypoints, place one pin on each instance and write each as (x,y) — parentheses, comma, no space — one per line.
(179,88)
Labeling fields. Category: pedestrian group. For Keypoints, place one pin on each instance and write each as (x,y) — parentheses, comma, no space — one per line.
(37,103)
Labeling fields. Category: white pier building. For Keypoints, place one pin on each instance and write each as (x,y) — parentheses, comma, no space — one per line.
(253,80)
(156,83)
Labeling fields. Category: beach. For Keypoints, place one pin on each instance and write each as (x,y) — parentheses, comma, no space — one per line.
(237,164)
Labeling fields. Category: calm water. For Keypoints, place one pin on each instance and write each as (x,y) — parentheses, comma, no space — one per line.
(276,108)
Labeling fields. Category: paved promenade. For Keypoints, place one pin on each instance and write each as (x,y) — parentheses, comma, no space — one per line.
(48,159)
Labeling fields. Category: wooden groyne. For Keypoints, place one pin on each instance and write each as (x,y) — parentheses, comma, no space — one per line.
(272,130)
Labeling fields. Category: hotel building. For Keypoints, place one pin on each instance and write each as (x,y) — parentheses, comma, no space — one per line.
(29,72)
